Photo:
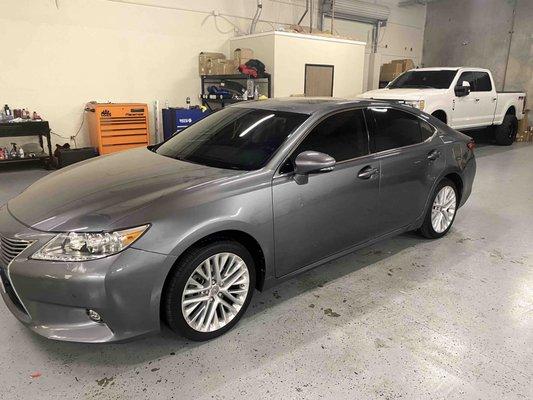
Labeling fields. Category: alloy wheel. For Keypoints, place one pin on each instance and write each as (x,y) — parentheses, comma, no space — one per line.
(443,209)
(215,292)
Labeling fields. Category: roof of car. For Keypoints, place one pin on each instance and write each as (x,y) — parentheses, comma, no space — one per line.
(307,105)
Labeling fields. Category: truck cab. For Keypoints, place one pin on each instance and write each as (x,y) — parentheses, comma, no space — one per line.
(463,97)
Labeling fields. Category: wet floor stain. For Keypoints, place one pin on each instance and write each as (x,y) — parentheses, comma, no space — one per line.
(380,344)
(330,313)
(105,381)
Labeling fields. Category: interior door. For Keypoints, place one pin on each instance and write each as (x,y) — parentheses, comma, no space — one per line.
(411,158)
(333,210)
(318,80)
(466,113)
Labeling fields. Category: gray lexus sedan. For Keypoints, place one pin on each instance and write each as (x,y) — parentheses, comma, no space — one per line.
(183,232)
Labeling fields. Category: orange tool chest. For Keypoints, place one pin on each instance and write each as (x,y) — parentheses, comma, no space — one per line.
(117,126)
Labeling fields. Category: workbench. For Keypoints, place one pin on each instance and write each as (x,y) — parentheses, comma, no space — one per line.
(23,129)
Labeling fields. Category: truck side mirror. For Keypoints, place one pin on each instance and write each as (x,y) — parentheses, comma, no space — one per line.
(463,89)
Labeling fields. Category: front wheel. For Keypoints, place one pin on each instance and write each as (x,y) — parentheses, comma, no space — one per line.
(440,216)
(505,134)
(209,290)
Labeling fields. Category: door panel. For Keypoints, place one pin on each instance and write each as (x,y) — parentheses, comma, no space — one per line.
(485,97)
(333,211)
(411,158)
(465,111)
(407,176)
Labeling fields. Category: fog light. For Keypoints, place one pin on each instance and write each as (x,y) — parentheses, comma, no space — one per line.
(94,316)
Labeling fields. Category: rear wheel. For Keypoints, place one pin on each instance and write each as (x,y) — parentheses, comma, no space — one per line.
(210,290)
(440,216)
(505,134)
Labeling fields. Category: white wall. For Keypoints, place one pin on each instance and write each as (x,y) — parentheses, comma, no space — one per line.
(55,60)
(402,37)
(285,55)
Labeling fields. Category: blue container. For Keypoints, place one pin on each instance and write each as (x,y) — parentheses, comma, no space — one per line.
(177,119)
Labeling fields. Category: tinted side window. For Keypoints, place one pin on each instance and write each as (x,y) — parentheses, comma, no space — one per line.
(470,78)
(426,130)
(483,82)
(343,136)
(394,128)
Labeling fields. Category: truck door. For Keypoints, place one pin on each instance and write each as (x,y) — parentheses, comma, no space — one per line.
(485,98)
(465,110)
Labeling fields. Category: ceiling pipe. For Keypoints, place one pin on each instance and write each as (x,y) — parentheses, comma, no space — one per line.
(256,16)
(332,15)
(305,12)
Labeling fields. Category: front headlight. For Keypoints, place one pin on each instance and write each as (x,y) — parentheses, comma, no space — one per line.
(79,246)
(420,104)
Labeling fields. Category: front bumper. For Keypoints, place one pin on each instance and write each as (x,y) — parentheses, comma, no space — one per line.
(52,298)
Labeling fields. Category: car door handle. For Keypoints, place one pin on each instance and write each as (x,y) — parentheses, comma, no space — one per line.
(367,172)
(494,98)
(433,155)
(476,100)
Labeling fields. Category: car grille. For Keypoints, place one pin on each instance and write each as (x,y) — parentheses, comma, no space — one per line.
(8,287)
(10,248)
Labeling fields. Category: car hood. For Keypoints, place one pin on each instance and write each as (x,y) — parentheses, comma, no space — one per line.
(401,94)
(92,195)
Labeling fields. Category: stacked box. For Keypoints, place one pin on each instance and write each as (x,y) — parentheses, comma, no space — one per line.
(216,64)
(395,68)
(242,56)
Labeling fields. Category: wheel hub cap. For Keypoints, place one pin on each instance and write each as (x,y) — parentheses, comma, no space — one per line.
(443,209)
(215,292)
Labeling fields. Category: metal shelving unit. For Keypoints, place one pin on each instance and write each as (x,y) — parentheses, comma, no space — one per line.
(23,129)
(237,83)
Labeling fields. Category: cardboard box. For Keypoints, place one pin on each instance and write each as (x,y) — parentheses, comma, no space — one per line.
(243,55)
(405,63)
(524,134)
(395,68)
(206,60)
(221,67)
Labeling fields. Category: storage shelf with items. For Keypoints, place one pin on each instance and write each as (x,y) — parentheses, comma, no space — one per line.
(29,151)
(221,90)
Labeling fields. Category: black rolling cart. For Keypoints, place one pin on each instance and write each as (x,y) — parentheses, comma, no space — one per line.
(41,129)
(236,84)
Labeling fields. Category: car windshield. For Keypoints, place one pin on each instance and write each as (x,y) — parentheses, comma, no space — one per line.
(424,79)
(233,138)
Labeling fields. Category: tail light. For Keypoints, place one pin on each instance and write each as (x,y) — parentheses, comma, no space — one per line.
(471,145)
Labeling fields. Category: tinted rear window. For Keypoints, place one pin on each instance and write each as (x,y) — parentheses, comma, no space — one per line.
(394,128)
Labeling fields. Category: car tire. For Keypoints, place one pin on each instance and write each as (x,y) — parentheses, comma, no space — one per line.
(186,272)
(431,228)
(505,134)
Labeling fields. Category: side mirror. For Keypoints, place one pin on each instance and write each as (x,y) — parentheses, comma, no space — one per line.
(463,89)
(311,161)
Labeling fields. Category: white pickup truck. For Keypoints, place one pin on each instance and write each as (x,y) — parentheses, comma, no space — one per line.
(462,97)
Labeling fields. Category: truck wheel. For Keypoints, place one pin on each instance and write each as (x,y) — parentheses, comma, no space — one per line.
(505,134)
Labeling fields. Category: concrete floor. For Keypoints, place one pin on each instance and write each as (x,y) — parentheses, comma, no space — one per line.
(407,318)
